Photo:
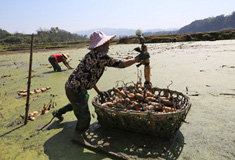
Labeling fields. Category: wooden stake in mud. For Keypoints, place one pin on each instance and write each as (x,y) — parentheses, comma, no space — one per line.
(29,81)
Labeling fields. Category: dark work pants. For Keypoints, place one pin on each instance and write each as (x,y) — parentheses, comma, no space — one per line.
(54,64)
(79,105)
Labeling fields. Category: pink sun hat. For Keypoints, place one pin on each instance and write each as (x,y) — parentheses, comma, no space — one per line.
(98,38)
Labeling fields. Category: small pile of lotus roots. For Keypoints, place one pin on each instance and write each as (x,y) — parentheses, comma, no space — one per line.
(24,92)
(139,98)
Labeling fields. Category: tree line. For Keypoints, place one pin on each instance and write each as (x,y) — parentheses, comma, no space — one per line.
(210,24)
(54,34)
(218,23)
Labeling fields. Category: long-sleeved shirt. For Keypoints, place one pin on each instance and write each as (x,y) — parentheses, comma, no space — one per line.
(90,69)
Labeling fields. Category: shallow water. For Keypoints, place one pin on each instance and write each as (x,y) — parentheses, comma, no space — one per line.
(195,65)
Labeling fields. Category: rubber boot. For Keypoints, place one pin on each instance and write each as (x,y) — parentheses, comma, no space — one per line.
(57,115)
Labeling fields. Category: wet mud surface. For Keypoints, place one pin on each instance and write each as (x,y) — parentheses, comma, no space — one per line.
(202,70)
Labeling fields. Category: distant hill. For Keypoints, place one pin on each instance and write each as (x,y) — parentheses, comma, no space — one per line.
(109,31)
(210,24)
(162,32)
(218,23)
(119,32)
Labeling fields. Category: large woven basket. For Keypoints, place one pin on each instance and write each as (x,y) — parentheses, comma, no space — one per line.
(150,123)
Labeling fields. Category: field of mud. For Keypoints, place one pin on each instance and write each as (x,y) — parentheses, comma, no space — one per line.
(204,71)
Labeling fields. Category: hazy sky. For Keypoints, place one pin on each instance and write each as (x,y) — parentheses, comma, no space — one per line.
(27,16)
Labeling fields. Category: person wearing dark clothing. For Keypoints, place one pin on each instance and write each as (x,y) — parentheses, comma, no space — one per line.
(86,76)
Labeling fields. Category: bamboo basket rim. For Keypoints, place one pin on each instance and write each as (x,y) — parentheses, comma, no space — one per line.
(186,106)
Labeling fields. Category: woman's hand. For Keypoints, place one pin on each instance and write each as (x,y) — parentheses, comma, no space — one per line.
(142,56)
(103,93)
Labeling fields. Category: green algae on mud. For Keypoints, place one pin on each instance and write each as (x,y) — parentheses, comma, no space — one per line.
(195,65)
(11,107)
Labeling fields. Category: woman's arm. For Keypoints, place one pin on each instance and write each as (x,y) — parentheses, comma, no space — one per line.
(97,89)
(101,93)
(129,62)
(67,65)
(111,62)
(139,58)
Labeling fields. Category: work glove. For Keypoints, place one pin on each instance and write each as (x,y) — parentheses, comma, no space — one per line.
(137,49)
(104,94)
(142,56)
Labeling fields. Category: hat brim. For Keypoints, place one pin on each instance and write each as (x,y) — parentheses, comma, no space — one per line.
(66,57)
(100,43)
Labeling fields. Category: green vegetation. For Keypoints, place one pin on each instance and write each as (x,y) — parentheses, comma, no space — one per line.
(160,33)
(4,34)
(210,24)
(138,32)
(44,39)
(218,23)
(55,39)
(206,36)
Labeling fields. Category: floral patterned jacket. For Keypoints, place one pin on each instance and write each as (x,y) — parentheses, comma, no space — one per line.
(90,69)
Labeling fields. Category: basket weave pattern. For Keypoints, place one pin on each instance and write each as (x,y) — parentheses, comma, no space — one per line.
(151,123)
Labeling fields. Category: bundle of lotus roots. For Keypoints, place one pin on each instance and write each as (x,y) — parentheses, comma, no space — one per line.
(44,110)
(141,99)
(24,92)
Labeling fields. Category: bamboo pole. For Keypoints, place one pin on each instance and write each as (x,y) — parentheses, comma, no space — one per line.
(29,81)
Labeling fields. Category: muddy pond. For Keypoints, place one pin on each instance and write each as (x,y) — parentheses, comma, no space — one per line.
(203,70)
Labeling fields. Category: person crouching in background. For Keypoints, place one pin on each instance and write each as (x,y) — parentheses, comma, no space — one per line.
(55,59)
